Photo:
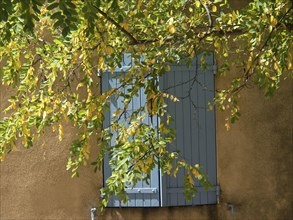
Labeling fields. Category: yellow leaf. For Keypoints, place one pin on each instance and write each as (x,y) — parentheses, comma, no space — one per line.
(30,71)
(25,130)
(168,119)
(79,85)
(139,3)
(249,62)
(276,66)
(175,171)
(142,166)
(151,103)
(53,128)
(152,61)
(227,125)
(190,180)
(131,131)
(166,95)
(14,148)
(101,63)
(66,118)
(167,68)
(174,99)
(144,169)
(125,25)
(195,172)
(109,50)
(234,16)
(214,8)
(163,129)
(116,113)
(202,60)
(60,132)
(149,160)
(171,29)
(216,43)
(273,21)
(197,4)
(169,169)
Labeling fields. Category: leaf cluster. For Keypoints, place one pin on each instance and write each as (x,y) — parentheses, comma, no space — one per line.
(53,53)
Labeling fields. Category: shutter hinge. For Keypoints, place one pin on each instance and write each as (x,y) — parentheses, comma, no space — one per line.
(99,74)
(214,69)
(141,190)
(218,191)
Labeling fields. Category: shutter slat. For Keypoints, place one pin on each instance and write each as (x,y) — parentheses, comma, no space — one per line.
(179,123)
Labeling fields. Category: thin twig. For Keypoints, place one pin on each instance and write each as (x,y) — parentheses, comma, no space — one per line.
(208,14)
(128,34)
(247,74)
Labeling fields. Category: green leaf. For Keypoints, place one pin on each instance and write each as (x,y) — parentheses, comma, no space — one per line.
(53,6)
(57,15)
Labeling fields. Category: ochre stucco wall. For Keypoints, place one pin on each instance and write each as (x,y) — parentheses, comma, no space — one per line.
(255,158)
(255,166)
(34,183)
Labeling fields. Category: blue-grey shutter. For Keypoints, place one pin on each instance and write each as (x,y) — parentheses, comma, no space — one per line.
(142,194)
(195,129)
(195,138)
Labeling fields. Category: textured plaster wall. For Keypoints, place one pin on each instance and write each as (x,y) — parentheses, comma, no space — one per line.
(255,162)
(34,183)
(255,166)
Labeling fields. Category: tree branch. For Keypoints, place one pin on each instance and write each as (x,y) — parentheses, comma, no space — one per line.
(247,75)
(208,14)
(128,34)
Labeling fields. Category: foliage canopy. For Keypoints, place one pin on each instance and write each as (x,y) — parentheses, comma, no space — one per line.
(51,52)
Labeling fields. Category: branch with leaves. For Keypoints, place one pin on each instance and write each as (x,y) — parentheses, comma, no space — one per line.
(51,51)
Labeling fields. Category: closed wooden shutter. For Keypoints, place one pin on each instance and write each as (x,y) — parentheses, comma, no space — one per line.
(142,194)
(195,129)
(195,137)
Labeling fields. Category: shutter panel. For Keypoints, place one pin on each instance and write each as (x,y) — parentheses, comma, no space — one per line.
(195,129)
(142,194)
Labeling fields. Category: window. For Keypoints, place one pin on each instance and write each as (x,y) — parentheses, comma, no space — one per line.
(195,136)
